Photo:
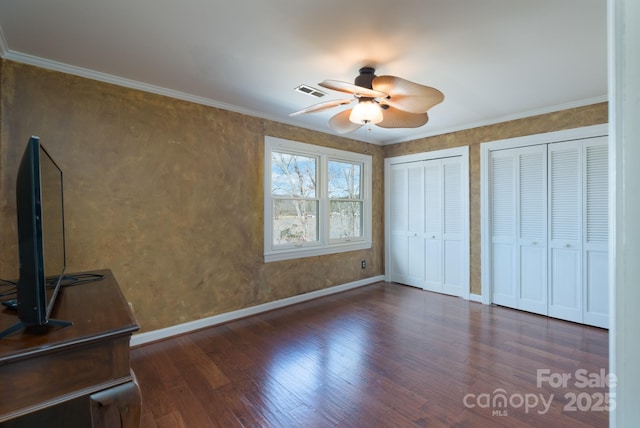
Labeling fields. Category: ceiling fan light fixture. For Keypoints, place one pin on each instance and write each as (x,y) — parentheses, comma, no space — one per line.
(366,112)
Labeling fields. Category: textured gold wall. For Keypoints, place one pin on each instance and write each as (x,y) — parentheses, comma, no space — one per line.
(574,118)
(166,193)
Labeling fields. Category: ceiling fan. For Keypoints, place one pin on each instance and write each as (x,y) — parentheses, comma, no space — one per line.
(385,101)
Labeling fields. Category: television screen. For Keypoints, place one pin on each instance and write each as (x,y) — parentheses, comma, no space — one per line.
(52,215)
(41,246)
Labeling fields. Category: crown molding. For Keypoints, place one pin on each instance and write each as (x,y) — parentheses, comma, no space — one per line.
(134,84)
(516,116)
(121,81)
(8,54)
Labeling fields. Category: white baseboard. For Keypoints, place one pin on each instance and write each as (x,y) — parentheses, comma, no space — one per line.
(164,333)
(475,298)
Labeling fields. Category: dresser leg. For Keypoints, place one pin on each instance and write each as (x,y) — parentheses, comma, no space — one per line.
(117,407)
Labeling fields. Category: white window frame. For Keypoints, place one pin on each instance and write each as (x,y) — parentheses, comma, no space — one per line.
(324,245)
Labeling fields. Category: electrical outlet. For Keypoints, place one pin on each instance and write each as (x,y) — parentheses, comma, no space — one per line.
(363,264)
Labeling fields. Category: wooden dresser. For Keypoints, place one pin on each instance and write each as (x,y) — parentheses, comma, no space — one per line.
(77,375)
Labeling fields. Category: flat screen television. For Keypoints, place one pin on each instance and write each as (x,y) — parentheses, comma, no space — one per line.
(41,242)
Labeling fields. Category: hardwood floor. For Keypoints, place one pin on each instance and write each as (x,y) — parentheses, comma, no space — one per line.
(384,355)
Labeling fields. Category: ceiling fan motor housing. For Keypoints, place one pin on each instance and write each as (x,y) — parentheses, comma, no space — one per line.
(365,78)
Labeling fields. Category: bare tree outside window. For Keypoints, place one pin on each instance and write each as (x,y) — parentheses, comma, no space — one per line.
(346,204)
(295,199)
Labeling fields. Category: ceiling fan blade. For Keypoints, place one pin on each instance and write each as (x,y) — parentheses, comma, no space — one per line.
(322,106)
(350,88)
(395,118)
(406,95)
(341,123)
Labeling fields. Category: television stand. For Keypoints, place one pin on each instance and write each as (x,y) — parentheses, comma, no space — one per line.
(77,376)
(19,325)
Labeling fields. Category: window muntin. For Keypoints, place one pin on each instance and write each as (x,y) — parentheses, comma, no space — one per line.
(317,200)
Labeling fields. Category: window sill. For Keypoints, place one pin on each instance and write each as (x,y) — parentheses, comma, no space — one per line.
(299,253)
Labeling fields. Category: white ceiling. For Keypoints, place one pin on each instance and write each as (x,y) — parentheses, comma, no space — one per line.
(493,59)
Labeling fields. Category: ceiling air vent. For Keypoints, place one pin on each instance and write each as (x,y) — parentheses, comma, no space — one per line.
(306,89)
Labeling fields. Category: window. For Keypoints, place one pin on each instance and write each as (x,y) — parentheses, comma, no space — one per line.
(316,200)
(345,202)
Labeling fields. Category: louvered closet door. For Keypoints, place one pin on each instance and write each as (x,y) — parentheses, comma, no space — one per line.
(433,225)
(565,234)
(596,236)
(399,254)
(502,183)
(427,215)
(452,233)
(415,225)
(518,224)
(531,200)
(549,229)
